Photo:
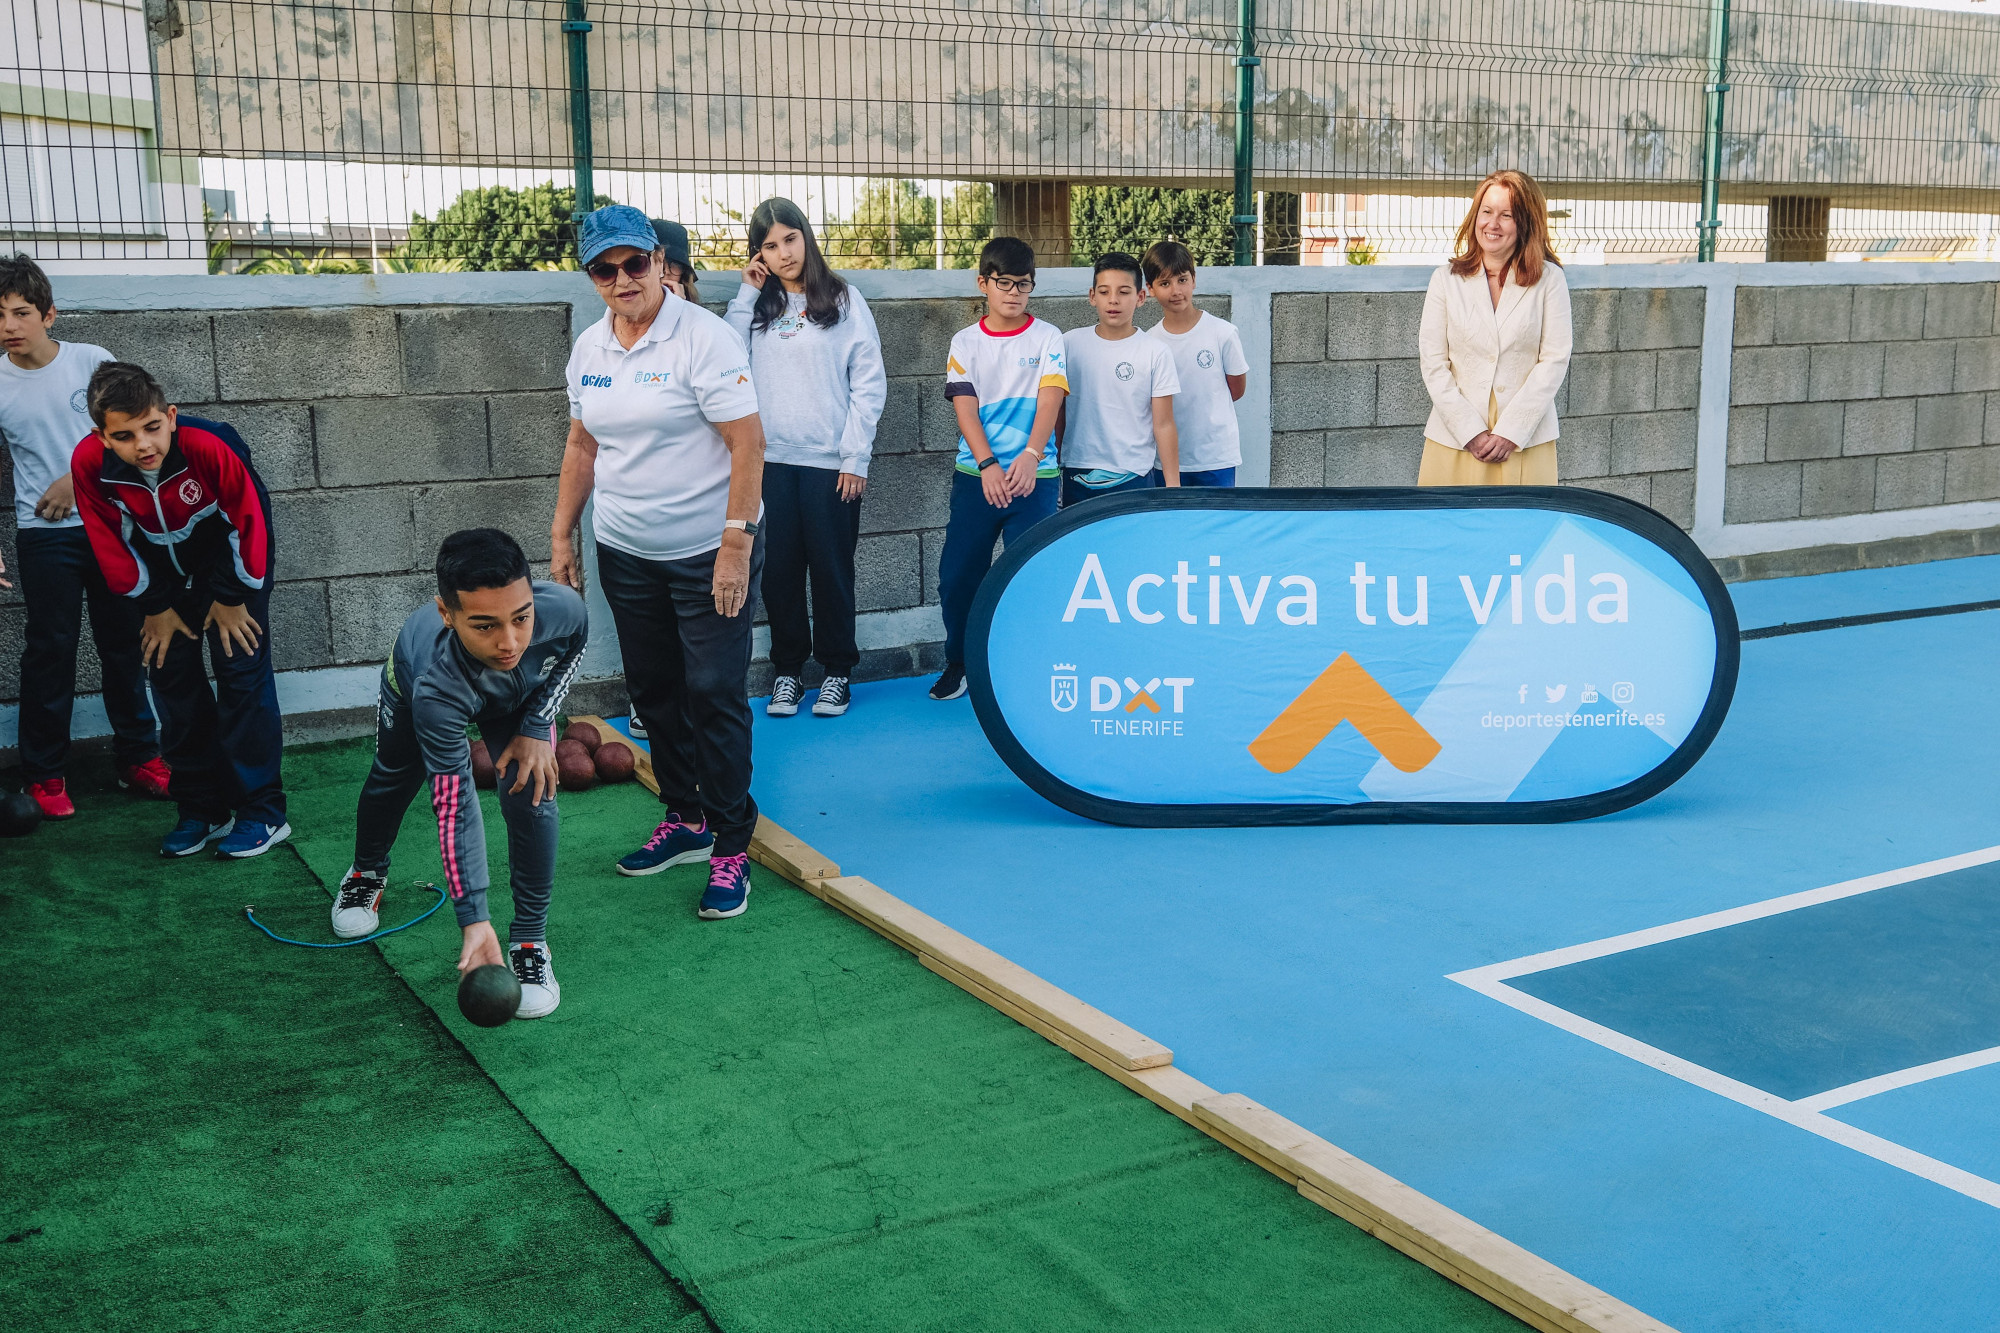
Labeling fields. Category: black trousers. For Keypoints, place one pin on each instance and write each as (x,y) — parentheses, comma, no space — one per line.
(810,534)
(226,744)
(59,578)
(687,670)
(396,777)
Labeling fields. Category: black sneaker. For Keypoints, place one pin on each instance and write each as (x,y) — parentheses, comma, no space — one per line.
(785,694)
(833,698)
(951,684)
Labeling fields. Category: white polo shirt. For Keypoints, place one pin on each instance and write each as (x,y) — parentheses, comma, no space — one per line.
(42,416)
(662,480)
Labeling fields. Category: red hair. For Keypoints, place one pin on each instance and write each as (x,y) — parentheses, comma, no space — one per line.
(1532,247)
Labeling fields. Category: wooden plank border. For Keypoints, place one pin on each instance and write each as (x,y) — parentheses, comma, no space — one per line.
(1482,1261)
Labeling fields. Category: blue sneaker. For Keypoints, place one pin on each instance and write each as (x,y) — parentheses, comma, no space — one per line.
(191,835)
(673,843)
(249,838)
(728,887)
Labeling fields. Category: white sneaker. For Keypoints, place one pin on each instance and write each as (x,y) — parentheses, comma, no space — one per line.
(357,908)
(539,992)
(638,728)
(833,697)
(785,694)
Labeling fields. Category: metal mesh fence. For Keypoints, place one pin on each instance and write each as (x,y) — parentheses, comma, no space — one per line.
(384,134)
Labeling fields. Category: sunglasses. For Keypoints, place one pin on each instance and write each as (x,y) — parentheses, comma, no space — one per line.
(603,271)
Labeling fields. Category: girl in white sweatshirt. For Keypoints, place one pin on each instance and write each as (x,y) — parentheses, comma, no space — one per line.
(817,362)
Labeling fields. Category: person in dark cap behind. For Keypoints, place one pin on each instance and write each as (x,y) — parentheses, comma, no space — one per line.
(680,264)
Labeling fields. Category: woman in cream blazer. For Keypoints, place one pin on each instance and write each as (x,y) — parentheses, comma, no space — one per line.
(1495,344)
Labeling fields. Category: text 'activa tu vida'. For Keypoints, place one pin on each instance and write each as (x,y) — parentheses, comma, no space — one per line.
(1552,599)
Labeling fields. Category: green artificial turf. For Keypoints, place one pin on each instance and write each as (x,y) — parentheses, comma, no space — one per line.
(815,1134)
(204,1130)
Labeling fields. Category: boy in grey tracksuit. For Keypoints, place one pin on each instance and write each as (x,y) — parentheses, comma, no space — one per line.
(497,650)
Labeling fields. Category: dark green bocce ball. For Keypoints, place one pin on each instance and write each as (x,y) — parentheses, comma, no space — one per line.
(489,995)
(19,815)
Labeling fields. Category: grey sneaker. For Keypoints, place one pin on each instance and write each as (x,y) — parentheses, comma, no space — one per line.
(785,694)
(833,697)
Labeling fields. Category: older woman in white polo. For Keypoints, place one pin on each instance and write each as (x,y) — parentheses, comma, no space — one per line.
(664,437)
(1495,344)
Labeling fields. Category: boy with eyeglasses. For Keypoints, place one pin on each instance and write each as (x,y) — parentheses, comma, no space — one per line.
(1006,377)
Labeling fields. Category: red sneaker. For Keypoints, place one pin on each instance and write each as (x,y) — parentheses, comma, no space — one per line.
(148,779)
(55,801)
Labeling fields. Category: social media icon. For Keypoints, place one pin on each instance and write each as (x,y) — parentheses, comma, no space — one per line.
(1589,695)
(1555,692)
(1621,693)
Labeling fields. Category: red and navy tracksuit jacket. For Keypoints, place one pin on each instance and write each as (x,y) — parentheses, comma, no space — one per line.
(203,535)
(207,527)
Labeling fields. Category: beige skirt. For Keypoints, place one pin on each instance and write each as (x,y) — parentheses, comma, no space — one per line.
(1446,466)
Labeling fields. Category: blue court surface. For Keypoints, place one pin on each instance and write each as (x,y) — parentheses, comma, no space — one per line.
(1725,1055)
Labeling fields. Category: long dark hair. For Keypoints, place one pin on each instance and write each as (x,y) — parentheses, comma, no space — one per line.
(826,294)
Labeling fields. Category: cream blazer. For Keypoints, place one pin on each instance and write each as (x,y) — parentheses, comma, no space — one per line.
(1517,353)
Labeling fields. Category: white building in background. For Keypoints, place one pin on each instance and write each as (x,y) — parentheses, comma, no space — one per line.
(85,186)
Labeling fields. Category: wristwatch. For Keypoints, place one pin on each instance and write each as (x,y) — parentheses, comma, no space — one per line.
(742,525)
(987,462)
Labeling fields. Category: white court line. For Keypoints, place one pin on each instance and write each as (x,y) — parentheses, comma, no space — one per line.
(1901,1078)
(1696,925)
(1806,1113)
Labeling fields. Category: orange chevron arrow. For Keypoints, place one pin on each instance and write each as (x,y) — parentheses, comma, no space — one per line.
(1344,692)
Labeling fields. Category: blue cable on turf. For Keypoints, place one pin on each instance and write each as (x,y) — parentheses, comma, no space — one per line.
(249,914)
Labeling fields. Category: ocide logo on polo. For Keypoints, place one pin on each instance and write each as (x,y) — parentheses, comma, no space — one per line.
(1146,702)
(594,382)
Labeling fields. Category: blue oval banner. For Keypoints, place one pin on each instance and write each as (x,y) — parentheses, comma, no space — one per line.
(1205,656)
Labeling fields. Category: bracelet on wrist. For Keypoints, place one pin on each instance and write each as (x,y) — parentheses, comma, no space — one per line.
(987,462)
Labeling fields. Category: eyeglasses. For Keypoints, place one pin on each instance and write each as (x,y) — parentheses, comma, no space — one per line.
(603,271)
(1012,285)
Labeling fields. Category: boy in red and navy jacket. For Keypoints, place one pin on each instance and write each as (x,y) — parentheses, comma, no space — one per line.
(180,522)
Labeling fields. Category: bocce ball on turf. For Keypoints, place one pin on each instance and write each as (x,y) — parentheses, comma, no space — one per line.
(574,766)
(616,762)
(585,734)
(489,995)
(19,815)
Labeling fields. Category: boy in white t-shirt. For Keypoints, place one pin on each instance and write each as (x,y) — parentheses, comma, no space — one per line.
(43,414)
(1006,382)
(1118,429)
(1209,356)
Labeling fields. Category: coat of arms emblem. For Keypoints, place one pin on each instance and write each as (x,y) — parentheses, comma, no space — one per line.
(1062,687)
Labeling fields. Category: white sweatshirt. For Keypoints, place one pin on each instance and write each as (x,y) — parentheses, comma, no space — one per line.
(820,391)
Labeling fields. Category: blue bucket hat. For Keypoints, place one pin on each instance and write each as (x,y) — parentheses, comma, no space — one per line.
(612,226)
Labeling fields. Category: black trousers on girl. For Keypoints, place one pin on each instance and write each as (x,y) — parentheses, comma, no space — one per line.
(810,534)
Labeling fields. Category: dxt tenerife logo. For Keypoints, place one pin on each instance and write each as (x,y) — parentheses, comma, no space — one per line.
(1153,705)
(654,378)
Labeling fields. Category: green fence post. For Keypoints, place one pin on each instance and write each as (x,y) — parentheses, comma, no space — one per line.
(1245,218)
(1711,139)
(576,32)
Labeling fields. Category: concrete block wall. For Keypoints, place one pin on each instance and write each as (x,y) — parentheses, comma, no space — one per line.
(1348,402)
(1863,399)
(378,431)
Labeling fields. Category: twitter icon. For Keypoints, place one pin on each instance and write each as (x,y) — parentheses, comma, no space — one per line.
(1555,692)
